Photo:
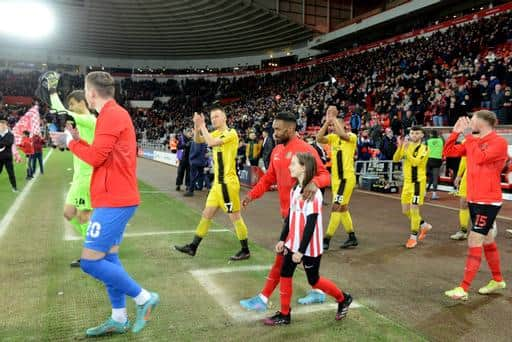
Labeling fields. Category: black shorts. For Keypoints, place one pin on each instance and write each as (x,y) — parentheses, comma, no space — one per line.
(483,217)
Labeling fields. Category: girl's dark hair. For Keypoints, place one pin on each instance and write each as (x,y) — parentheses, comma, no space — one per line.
(307,160)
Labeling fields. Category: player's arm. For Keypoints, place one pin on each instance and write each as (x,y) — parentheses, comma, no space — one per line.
(420,158)
(309,230)
(339,130)
(265,182)
(399,153)
(57,103)
(286,228)
(321,136)
(212,141)
(496,150)
(322,178)
(198,138)
(105,137)
(450,149)
(313,208)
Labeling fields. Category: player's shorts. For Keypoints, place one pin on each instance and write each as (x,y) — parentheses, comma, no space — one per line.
(342,191)
(483,217)
(414,193)
(107,227)
(462,192)
(79,195)
(225,196)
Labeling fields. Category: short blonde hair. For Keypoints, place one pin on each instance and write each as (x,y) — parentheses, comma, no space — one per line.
(487,116)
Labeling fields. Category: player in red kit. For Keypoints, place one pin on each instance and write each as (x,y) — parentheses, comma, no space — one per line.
(486,154)
(278,172)
(115,198)
(301,242)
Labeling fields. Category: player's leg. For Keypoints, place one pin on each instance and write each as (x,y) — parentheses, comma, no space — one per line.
(260,301)
(424,226)
(492,256)
(286,291)
(346,218)
(335,219)
(464,219)
(231,205)
(212,205)
(103,238)
(312,269)
(406,201)
(480,228)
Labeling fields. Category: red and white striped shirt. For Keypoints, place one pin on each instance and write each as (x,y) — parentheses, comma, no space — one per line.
(299,211)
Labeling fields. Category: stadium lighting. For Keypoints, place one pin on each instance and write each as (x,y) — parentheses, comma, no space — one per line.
(26,19)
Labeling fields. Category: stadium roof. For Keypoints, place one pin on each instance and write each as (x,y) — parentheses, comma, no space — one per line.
(167,29)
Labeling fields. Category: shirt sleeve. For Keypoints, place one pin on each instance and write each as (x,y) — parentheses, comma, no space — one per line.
(57,103)
(265,182)
(309,230)
(107,133)
(450,149)
(322,178)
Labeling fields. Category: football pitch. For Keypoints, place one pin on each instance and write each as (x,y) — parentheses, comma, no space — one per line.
(45,300)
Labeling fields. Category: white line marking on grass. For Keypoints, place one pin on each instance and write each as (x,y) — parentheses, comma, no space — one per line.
(228,303)
(71,236)
(6,220)
(504,218)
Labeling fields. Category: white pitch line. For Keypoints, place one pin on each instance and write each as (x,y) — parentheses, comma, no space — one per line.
(70,236)
(233,309)
(6,220)
(504,218)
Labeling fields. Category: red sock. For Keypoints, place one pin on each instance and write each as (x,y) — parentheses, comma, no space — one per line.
(493,260)
(472,265)
(330,288)
(273,277)
(286,294)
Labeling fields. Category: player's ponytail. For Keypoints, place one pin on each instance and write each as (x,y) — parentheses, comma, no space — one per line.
(307,160)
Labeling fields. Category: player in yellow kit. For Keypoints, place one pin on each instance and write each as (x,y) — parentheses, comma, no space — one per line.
(415,155)
(343,177)
(460,182)
(225,191)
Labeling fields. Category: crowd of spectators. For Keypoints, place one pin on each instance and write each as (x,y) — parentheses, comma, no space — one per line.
(431,80)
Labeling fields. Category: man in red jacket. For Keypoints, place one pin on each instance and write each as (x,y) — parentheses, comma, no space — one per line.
(114,197)
(278,172)
(486,154)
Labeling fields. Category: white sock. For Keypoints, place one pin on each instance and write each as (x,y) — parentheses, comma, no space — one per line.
(119,315)
(263,298)
(414,237)
(142,297)
(317,290)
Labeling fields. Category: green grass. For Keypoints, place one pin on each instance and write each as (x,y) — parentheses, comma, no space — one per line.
(45,300)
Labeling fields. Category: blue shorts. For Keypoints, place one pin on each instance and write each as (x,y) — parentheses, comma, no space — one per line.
(107,227)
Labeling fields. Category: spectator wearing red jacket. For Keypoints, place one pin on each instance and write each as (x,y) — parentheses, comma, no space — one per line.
(486,154)
(28,148)
(38,143)
(114,197)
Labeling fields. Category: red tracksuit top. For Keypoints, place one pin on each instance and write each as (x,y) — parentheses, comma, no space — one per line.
(26,146)
(279,173)
(486,158)
(113,156)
